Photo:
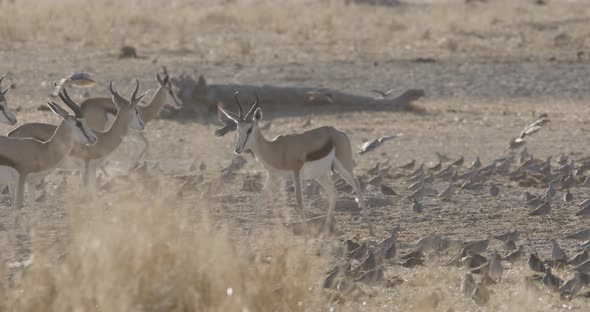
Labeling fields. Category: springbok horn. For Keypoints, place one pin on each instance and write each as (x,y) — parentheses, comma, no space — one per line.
(253,108)
(239,105)
(65,97)
(116,94)
(134,94)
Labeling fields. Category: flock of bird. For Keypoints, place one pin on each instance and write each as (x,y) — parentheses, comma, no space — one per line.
(366,262)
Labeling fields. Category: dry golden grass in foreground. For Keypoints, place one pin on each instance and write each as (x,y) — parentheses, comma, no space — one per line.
(132,257)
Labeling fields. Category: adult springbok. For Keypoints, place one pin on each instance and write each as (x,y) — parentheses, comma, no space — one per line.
(100,112)
(6,115)
(27,160)
(89,157)
(313,154)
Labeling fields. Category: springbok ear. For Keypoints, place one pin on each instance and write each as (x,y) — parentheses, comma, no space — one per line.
(139,98)
(224,115)
(162,80)
(201,87)
(258,114)
(6,90)
(58,110)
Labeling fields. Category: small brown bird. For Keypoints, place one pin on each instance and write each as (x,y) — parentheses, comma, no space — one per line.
(442,158)
(557,253)
(571,286)
(80,80)
(418,253)
(510,245)
(371,277)
(583,267)
(360,252)
(468,285)
(551,281)
(515,255)
(584,212)
(417,207)
(481,295)
(536,264)
(458,162)
(567,196)
(412,262)
(436,167)
(383,94)
(447,192)
(409,165)
(512,235)
(475,164)
(477,245)
(386,190)
(496,268)
(369,263)
(580,235)
(528,196)
(580,257)
(373,144)
(494,190)
(542,210)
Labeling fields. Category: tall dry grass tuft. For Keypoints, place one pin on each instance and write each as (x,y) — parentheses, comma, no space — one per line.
(138,257)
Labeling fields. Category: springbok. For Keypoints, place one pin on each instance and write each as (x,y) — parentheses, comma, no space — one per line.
(25,160)
(89,157)
(6,115)
(313,154)
(100,111)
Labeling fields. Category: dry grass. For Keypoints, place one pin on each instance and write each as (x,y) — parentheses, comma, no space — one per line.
(298,30)
(133,257)
(140,255)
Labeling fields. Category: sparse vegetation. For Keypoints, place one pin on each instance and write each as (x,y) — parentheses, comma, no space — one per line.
(133,257)
(487,68)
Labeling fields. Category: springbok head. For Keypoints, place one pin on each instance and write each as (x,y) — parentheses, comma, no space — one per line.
(245,124)
(6,115)
(76,122)
(129,107)
(164,82)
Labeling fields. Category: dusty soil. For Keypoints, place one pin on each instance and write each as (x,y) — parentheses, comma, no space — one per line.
(473,105)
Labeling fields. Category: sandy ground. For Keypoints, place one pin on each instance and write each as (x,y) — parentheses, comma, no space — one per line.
(473,106)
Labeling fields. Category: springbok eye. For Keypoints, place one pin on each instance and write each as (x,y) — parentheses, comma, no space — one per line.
(78,124)
(249,130)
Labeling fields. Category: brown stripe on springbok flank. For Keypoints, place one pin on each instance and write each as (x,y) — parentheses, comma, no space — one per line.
(111,110)
(7,162)
(321,153)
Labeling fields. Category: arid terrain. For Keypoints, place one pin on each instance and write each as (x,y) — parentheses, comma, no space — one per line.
(488,69)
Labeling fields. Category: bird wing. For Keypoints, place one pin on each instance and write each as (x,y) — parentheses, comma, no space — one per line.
(228,124)
(534,127)
(388,92)
(368,146)
(379,92)
(80,79)
(388,137)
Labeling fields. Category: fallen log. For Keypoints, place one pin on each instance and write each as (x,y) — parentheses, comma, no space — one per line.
(200,100)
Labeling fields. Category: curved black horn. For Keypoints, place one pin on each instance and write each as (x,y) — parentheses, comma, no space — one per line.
(2,78)
(253,108)
(65,97)
(135,91)
(239,105)
(116,94)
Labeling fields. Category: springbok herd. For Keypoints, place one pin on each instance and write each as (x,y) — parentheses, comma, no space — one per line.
(85,139)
